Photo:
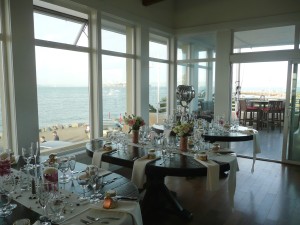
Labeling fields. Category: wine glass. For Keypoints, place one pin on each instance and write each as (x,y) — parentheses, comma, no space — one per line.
(35,151)
(83,180)
(43,194)
(63,166)
(56,203)
(27,156)
(97,184)
(6,185)
(72,163)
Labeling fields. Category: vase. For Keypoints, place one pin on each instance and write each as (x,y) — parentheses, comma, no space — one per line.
(135,136)
(183,146)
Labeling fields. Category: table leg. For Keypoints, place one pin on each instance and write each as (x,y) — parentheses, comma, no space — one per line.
(159,198)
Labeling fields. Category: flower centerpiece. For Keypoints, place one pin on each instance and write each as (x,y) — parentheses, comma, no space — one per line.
(134,122)
(183,130)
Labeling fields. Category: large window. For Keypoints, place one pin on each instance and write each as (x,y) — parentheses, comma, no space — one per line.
(196,67)
(117,72)
(62,77)
(158,78)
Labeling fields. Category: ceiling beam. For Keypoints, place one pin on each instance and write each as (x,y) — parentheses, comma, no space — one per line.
(150,2)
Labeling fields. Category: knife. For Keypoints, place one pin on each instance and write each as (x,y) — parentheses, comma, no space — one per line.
(127,198)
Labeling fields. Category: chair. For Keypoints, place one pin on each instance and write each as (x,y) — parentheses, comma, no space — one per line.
(274,114)
(248,114)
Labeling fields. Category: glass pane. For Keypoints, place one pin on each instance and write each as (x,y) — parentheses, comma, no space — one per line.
(1,126)
(158,96)
(158,47)
(196,46)
(270,39)
(113,41)
(260,85)
(57,29)
(294,134)
(114,78)
(182,75)
(63,95)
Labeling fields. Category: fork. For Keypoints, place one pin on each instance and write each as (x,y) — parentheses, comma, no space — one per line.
(102,218)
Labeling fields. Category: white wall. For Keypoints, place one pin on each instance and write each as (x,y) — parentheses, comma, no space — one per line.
(190,13)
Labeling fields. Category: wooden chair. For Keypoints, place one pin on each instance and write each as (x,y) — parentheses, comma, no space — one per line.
(273,115)
(248,115)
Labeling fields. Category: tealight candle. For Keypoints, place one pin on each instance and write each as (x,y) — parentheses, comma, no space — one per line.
(110,200)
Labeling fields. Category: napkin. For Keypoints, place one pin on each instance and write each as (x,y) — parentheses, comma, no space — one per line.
(96,160)
(138,176)
(213,171)
(256,144)
(130,207)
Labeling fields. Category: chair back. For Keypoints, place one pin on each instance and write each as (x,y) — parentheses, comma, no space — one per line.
(242,105)
(276,105)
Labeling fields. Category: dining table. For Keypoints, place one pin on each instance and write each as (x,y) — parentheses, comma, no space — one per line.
(240,134)
(158,197)
(28,207)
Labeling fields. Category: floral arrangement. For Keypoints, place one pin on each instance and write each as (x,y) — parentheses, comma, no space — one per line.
(183,129)
(135,122)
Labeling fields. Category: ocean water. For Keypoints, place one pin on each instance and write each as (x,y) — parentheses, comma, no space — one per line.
(67,105)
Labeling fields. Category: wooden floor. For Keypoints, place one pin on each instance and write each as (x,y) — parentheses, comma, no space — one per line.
(269,196)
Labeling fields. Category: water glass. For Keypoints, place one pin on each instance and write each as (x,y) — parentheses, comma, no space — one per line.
(24,179)
(83,180)
(27,154)
(63,166)
(57,204)
(4,162)
(7,184)
(72,164)
(43,193)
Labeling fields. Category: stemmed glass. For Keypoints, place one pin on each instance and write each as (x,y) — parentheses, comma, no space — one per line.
(83,180)
(63,166)
(56,204)
(6,185)
(27,156)
(43,193)
(72,163)
(35,149)
(97,184)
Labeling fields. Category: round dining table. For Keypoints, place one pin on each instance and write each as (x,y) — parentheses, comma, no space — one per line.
(158,198)
(228,136)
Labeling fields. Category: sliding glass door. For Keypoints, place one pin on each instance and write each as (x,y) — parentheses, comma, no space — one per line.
(293,153)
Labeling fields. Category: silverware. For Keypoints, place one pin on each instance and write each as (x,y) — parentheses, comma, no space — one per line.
(127,198)
(102,218)
(84,221)
(110,181)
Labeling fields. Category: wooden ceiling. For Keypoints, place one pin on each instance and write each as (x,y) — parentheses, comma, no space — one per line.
(150,2)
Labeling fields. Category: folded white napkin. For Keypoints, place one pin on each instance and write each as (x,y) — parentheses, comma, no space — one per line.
(130,207)
(96,160)
(138,176)
(256,144)
(213,171)
(232,160)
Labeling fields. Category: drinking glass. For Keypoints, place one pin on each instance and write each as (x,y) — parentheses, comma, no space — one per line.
(24,179)
(72,164)
(56,204)
(35,151)
(43,194)
(7,183)
(97,184)
(83,180)
(27,156)
(63,166)
(4,162)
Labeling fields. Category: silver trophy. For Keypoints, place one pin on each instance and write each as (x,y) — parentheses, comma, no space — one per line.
(185,95)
